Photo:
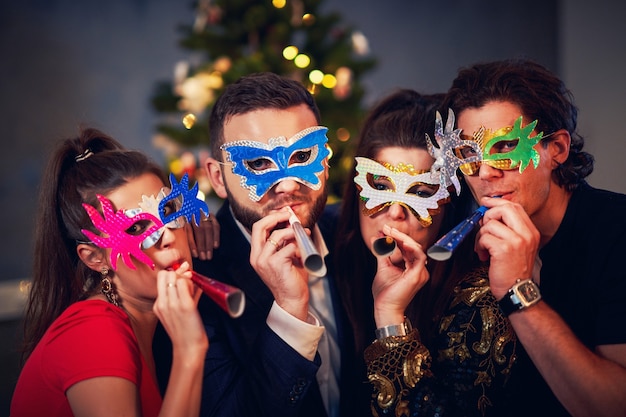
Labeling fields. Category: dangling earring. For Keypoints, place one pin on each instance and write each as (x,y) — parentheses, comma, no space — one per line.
(107,287)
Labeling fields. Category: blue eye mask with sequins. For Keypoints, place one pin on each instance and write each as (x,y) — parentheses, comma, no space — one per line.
(263,165)
(172,206)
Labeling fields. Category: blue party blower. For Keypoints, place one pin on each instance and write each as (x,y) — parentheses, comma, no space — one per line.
(442,249)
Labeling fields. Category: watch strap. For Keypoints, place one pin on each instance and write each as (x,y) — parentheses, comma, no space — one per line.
(394,330)
(507,305)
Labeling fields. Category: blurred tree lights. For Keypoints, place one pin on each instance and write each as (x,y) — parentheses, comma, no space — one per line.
(232,38)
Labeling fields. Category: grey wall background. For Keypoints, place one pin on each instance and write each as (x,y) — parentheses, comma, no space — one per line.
(66,62)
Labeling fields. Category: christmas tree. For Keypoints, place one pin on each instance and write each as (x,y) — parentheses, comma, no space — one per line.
(233,38)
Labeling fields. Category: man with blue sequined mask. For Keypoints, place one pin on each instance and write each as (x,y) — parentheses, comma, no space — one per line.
(274,171)
(269,154)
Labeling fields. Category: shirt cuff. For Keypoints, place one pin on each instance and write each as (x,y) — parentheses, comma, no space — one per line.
(302,336)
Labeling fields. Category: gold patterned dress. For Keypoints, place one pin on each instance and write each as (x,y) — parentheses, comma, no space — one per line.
(463,373)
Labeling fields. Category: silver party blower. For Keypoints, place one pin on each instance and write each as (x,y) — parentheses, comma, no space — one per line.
(312,260)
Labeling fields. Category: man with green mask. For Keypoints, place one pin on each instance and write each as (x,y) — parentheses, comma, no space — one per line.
(554,243)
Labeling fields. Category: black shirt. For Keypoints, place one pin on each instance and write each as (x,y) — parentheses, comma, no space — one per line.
(583,278)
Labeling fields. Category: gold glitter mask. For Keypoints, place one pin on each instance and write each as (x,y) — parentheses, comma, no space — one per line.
(382,184)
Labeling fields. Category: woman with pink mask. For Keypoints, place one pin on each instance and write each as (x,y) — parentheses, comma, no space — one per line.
(111,260)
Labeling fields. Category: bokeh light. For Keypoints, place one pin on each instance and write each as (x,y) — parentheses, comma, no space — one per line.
(343,134)
(290,52)
(302,61)
(189,120)
(279,4)
(316,76)
(308,19)
(329,81)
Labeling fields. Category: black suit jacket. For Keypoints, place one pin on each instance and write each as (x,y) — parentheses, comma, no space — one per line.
(249,370)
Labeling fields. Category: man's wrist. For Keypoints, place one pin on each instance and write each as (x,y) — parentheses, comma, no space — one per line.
(299,309)
(523,294)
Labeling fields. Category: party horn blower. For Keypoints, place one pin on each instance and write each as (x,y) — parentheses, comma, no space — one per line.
(442,249)
(312,260)
(231,299)
(384,246)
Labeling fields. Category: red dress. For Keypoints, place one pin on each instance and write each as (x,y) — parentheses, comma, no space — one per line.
(89,339)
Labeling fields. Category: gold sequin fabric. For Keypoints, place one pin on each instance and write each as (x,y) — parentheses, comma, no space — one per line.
(473,355)
(396,364)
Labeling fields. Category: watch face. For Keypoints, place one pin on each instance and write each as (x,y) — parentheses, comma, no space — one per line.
(522,295)
(528,292)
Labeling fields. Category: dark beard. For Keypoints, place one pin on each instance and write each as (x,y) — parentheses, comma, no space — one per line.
(248,217)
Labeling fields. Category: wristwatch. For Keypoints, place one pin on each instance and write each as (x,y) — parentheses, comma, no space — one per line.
(394,330)
(523,294)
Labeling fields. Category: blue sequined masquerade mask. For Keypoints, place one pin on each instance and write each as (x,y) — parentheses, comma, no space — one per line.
(172,205)
(262,165)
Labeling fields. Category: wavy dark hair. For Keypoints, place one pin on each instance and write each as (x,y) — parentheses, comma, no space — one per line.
(263,90)
(540,94)
(60,278)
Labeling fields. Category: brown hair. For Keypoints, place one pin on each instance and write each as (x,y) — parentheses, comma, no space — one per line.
(264,90)
(81,167)
(539,93)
